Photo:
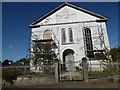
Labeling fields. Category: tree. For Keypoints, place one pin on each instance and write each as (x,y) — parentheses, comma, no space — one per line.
(112,57)
(21,62)
(6,62)
(115,54)
(42,53)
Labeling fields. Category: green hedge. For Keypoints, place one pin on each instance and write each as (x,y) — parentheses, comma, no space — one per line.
(9,75)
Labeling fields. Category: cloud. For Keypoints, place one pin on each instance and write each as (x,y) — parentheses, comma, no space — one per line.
(11,46)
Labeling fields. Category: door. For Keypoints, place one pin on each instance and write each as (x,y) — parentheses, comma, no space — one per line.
(70,64)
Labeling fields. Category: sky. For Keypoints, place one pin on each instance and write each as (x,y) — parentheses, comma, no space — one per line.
(16,16)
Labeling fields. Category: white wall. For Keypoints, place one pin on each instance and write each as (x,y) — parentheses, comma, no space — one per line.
(69,15)
(78,45)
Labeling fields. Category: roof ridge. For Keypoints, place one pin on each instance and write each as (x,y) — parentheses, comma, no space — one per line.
(86,10)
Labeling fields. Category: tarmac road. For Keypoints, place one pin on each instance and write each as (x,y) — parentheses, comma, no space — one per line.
(73,84)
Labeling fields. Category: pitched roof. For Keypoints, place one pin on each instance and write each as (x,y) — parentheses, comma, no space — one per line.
(70,5)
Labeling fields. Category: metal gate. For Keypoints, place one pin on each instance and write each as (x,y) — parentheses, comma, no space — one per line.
(71,72)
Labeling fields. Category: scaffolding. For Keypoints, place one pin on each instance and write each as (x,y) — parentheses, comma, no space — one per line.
(93,47)
(95,42)
(45,45)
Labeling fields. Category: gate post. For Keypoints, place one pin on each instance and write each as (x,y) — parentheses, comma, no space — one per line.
(85,70)
(56,72)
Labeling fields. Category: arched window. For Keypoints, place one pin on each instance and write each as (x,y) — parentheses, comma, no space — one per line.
(70,35)
(88,43)
(47,34)
(63,36)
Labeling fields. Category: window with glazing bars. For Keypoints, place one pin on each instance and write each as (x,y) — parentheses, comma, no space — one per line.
(70,35)
(63,36)
(88,43)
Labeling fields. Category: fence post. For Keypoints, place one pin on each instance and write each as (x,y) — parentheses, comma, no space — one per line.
(56,72)
(85,70)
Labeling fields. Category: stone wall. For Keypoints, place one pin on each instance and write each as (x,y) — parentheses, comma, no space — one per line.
(28,80)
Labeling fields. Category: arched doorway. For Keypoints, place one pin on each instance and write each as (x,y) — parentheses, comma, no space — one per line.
(68,59)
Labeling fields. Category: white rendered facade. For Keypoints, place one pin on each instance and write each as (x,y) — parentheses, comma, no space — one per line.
(68,17)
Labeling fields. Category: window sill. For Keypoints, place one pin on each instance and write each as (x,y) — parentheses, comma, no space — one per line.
(67,43)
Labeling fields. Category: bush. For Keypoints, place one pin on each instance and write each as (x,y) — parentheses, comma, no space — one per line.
(119,80)
(110,79)
(9,75)
(44,73)
(111,68)
(77,68)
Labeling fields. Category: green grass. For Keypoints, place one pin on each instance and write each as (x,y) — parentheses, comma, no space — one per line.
(96,72)
(43,73)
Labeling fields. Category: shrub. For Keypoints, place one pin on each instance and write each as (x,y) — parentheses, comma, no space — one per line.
(9,75)
(77,68)
(119,80)
(110,79)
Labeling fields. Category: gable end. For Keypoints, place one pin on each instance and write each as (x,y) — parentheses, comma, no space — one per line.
(103,19)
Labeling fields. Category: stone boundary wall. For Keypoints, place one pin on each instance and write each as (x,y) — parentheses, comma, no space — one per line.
(34,80)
